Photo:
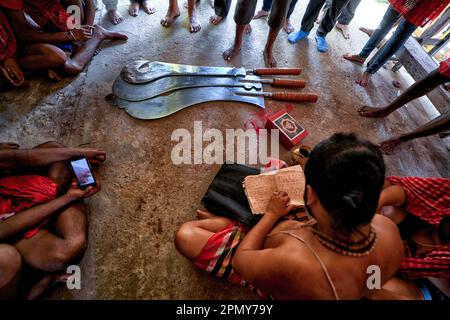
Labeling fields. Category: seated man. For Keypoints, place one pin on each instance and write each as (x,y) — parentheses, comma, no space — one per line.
(421,208)
(244,12)
(42,216)
(326,258)
(9,69)
(41,29)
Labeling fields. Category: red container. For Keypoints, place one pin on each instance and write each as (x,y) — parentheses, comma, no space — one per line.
(291,132)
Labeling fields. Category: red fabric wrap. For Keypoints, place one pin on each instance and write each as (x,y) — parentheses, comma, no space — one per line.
(419,12)
(12,4)
(444,68)
(18,193)
(45,11)
(429,200)
(8,44)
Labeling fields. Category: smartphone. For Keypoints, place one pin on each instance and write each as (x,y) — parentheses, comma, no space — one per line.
(82,171)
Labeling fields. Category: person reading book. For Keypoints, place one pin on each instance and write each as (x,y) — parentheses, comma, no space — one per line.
(327,257)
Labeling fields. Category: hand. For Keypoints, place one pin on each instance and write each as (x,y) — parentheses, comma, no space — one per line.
(95,156)
(279,204)
(83,33)
(12,72)
(75,193)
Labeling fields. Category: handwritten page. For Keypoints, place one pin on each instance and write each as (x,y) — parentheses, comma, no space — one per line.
(259,189)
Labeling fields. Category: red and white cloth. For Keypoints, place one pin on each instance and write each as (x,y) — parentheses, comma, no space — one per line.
(419,12)
(444,68)
(8,43)
(429,200)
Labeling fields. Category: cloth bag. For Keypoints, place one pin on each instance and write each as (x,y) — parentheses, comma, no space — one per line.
(226,196)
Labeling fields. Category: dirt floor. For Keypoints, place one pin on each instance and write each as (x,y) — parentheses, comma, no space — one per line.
(145,197)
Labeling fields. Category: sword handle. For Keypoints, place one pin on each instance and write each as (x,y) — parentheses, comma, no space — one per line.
(294,97)
(277,71)
(285,83)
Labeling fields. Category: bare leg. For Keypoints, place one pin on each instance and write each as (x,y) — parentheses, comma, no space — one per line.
(10,266)
(367,31)
(344,30)
(435,126)
(84,54)
(42,56)
(268,55)
(418,89)
(194,22)
(236,48)
(172,13)
(354,58)
(192,236)
(52,252)
(148,7)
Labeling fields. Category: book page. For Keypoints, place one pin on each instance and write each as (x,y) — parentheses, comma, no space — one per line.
(259,189)
(293,183)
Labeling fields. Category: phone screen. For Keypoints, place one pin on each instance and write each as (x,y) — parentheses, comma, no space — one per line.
(82,172)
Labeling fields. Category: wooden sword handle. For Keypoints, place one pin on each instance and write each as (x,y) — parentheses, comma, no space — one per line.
(277,71)
(285,83)
(294,97)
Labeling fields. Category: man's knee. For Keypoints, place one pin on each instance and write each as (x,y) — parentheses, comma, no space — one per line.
(245,9)
(55,56)
(10,264)
(278,13)
(184,236)
(72,68)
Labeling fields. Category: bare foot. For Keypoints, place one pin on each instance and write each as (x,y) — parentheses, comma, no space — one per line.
(389,146)
(133,10)
(370,112)
(354,58)
(53,75)
(194,23)
(288,27)
(269,60)
(364,79)
(148,7)
(231,52)
(248,29)
(367,31)
(260,14)
(344,30)
(114,16)
(215,19)
(104,34)
(170,17)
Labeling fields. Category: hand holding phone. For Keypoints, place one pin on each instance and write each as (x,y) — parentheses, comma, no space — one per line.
(83,172)
(75,193)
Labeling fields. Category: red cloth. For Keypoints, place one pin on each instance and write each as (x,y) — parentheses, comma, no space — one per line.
(12,4)
(429,200)
(8,44)
(444,68)
(18,193)
(419,12)
(45,11)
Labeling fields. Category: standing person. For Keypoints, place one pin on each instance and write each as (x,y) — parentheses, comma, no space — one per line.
(245,10)
(115,17)
(411,14)
(111,8)
(325,258)
(173,12)
(326,25)
(9,68)
(346,16)
(264,12)
(221,10)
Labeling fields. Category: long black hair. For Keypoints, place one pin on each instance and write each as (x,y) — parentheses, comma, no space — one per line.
(347,174)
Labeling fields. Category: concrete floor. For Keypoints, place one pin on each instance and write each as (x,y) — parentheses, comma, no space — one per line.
(145,197)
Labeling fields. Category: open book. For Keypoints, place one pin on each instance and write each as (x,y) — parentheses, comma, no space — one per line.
(259,188)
